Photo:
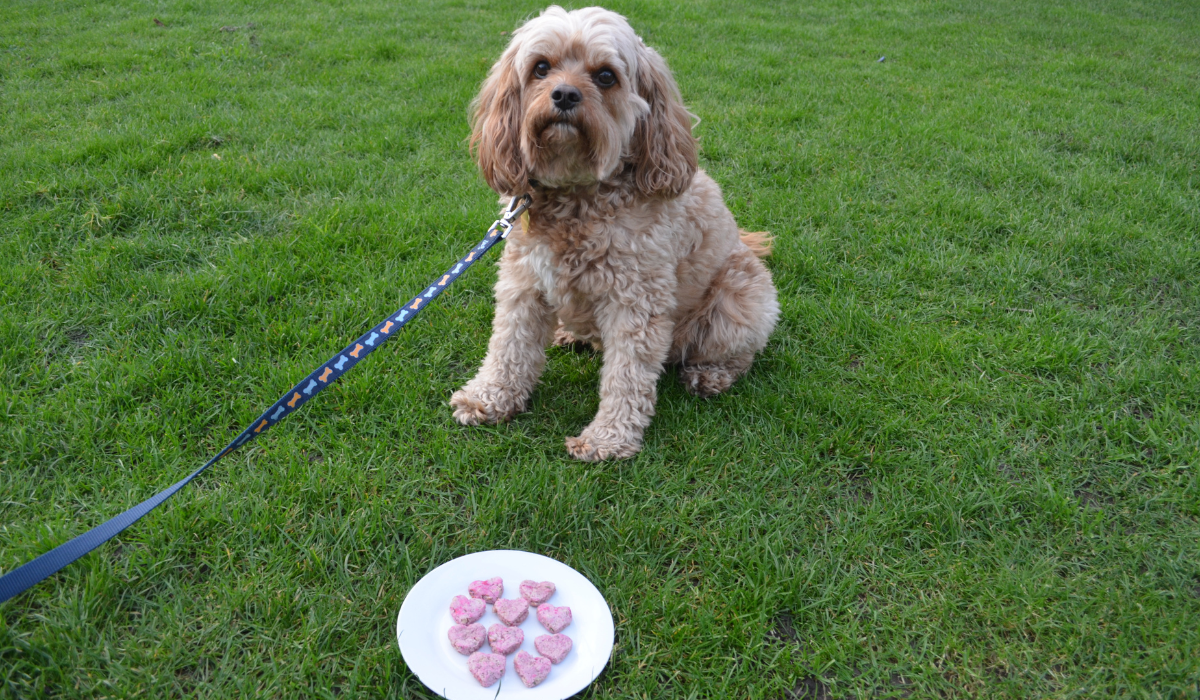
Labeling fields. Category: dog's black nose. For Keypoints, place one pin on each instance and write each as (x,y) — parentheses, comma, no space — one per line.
(566,97)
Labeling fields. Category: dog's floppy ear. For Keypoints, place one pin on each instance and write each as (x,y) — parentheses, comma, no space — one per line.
(496,128)
(664,150)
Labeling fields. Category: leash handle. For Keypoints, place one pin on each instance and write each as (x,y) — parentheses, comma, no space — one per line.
(31,573)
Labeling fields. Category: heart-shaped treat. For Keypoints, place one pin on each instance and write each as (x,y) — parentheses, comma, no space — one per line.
(505,640)
(553,646)
(487,668)
(511,612)
(552,618)
(536,593)
(531,669)
(466,610)
(489,591)
(466,638)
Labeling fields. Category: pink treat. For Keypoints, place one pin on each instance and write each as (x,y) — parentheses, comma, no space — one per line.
(466,610)
(531,669)
(466,638)
(553,646)
(512,612)
(505,640)
(552,618)
(536,593)
(488,590)
(487,668)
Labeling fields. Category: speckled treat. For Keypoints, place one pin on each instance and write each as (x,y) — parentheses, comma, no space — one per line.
(466,638)
(489,591)
(552,618)
(531,669)
(505,640)
(466,610)
(487,668)
(536,593)
(553,646)
(511,612)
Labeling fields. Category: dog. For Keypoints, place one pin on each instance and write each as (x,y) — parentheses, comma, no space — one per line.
(627,244)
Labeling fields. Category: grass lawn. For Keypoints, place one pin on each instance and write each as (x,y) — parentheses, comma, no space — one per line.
(965,466)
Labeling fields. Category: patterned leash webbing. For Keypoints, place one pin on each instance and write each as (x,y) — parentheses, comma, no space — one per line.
(26,576)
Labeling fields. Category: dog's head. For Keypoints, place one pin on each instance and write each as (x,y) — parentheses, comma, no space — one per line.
(574,98)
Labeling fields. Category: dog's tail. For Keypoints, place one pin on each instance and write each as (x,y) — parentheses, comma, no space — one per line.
(759,242)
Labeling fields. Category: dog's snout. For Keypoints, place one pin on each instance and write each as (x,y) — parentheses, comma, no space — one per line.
(566,97)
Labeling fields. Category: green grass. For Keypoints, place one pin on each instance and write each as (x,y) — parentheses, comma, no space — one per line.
(965,466)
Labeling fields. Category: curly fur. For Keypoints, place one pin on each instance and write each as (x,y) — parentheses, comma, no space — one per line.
(628,246)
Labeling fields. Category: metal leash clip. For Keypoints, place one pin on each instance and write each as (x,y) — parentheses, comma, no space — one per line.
(516,207)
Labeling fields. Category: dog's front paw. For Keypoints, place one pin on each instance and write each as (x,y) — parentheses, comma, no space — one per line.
(474,404)
(596,445)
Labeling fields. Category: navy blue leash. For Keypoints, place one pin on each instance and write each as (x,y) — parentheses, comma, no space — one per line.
(30,574)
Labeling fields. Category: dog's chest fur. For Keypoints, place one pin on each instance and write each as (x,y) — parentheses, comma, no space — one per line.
(583,252)
(571,267)
(539,261)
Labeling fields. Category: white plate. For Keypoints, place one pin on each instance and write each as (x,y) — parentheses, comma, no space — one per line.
(425,619)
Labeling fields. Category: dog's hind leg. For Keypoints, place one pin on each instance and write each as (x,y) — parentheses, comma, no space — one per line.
(706,380)
(716,342)
(567,339)
(563,337)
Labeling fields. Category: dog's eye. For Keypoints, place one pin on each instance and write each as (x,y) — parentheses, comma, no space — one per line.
(605,78)
(542,69)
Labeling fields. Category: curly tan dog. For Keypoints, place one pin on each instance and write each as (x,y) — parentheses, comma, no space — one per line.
(627,245)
